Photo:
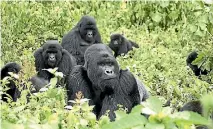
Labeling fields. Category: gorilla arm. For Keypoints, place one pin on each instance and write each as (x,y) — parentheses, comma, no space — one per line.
(142,90)
(129,85)
(67,63)
(39,64)
(134,44)
(71,41)
(78,81)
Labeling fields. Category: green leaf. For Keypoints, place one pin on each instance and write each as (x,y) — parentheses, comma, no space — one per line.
(202,26)
(193,28)
(151,104)
(155,126)
(164,4)
(174,15)
(156,17)
(203,18)
(190,118)
(126,122)
(53,82)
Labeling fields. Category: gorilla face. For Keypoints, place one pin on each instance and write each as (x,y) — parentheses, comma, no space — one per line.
(10,67)
(116,40)
(52,53)
(14,69)
(88,29)
(102,68)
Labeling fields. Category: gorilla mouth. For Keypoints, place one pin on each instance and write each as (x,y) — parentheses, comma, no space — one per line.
(51,63)
(108,78)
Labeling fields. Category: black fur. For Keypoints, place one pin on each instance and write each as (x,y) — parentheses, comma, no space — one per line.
(120,45)
(77,40)
(102,81)
(195,106)
(13,90)
(52,55)
(197,71)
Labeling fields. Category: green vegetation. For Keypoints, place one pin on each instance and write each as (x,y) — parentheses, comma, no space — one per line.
(166,33)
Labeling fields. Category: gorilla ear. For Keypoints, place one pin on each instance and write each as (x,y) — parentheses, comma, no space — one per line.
(85,65)
(84,68)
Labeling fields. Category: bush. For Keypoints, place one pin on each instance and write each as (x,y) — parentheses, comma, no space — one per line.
(165,31)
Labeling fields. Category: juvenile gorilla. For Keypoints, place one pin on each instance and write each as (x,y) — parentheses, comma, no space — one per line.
(102,81)
(197,71)
(84,34)
(52,55)
(13,91)
(119,44)
(195,106)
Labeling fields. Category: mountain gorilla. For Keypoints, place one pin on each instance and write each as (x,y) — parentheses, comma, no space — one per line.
(13,91)
(103,82)
(84,34)
(119,44)
(52,55)
(195,106)
(197,71)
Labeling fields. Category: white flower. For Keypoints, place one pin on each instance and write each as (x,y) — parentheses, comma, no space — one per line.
(208,1)
(68,107)
(43,89)
(148,111)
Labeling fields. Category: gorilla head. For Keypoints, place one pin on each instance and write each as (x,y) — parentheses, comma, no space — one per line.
(102,68)
(116,40)
(88,29)
(10,67)
(197,70)
(52,53)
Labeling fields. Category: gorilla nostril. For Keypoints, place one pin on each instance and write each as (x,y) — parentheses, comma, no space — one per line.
(109,72)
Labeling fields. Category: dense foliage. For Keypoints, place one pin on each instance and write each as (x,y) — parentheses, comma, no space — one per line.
(166,33)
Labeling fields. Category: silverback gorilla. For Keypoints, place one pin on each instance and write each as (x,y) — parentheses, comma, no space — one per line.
(103,82)
(84,34)
(197,71)
(119,44)
(13,91)
(52,55)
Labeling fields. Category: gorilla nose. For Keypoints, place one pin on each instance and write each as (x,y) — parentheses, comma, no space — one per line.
(89,35)
(109,72)
(115,42)
(52,58)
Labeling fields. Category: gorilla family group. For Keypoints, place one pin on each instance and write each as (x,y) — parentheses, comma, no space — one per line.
(88,66)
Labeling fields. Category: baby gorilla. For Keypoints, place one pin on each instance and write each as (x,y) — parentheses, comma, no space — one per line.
(84,34)
(102,81)
(197,71)
(119,44)
(52,55)
(13,91)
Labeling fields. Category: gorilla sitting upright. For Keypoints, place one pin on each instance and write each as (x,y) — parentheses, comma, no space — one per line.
(120,45)
(197,71)
(104,83)
(84,34)
(13,91)
(51,55)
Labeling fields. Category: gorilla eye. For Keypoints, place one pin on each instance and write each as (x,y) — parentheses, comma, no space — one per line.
(110,63)
(101,64)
